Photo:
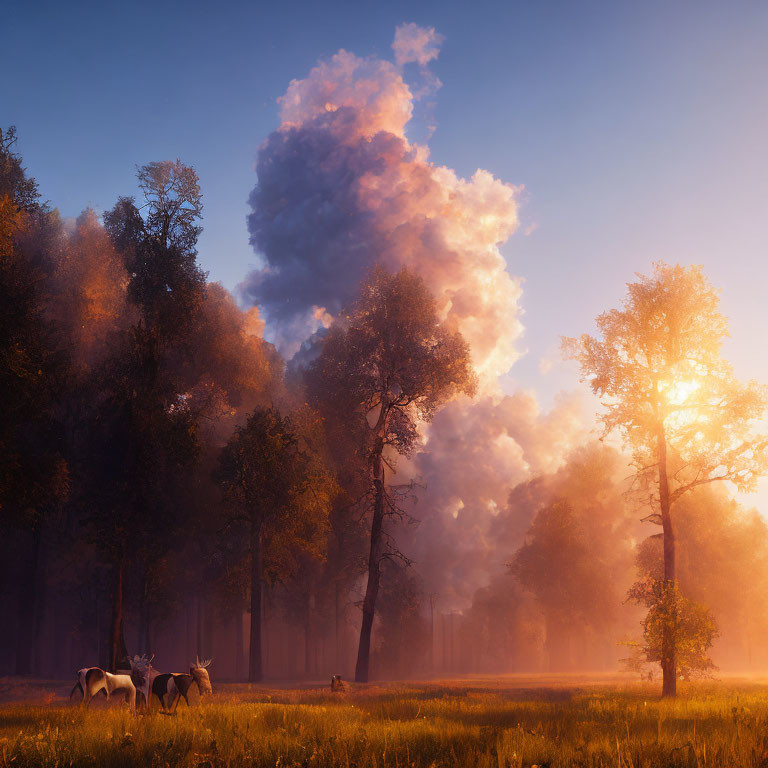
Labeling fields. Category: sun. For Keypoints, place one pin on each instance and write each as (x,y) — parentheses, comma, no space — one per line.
(684,400)
(680,393)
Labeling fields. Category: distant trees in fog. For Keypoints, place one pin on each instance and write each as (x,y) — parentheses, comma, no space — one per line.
(577,554)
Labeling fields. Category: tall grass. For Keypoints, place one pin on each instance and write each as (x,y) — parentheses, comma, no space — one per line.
(406,726)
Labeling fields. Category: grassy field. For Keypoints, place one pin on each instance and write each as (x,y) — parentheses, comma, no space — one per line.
(478,722)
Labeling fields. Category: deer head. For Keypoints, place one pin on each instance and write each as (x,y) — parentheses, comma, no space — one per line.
(199,672)
(140,670)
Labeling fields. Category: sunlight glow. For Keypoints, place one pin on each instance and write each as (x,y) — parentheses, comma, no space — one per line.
(679,392)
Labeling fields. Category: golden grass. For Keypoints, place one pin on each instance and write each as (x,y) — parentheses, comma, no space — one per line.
(407,726)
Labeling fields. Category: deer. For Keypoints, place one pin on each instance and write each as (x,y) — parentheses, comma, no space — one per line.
(94,680)
(142,676)
(171,687)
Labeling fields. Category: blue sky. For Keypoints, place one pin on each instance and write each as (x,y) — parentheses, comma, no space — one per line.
(640,130)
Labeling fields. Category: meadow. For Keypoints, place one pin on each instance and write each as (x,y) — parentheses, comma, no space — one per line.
(479,722)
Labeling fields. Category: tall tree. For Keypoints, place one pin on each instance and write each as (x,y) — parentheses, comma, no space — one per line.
(147,430)
(33,366)
(387,364)
(664,386)
(281,495)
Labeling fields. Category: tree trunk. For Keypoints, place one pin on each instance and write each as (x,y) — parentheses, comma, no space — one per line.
(117,650)
(27,602)
(255,673)
(265,615)
(668,650)
(444,658)
(432,634)
(453,644)
(209,631)
(199,653)
(374,571)
(101,653)
(188,634)
(147,639)
(549,643)
(336,650)
(143,634)
(308,642)
(239,645)
(41,608)
(56,651)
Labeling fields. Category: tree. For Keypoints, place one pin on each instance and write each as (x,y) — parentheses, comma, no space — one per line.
(274,488)
(574,559)
(403,631)
(146,430)
(504,634)
(14,182)
(33,367)
(348,540)
(346,560)
(169,396)
(174,203)
(690,623)
(387,364)
(665,387)
(564,565)
(29,359)
(722,564)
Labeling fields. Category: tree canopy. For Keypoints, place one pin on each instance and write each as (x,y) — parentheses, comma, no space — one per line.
(659,366)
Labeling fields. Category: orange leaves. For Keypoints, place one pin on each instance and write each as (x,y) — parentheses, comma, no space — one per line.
(658,366)
(10,222)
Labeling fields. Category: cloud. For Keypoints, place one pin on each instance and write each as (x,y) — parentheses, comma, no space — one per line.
(360,98)
(475,452)
(531,228)
(340,187)
(415,44)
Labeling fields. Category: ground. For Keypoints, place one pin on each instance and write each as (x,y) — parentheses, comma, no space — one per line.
(481,721)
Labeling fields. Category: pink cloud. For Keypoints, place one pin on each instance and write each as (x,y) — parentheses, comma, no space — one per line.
(415,44)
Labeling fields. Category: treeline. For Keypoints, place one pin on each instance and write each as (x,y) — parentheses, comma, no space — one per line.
(123,371)
(167,486)
(163,478)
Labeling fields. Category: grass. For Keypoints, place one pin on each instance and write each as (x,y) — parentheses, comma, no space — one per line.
(456,723)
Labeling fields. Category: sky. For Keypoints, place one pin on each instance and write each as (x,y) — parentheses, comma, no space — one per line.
(638,131)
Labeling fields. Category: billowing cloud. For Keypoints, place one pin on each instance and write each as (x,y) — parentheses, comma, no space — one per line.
(475,452)
(341,187)
(357,97)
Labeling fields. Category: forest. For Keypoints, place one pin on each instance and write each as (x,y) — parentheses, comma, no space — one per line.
(173,484)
